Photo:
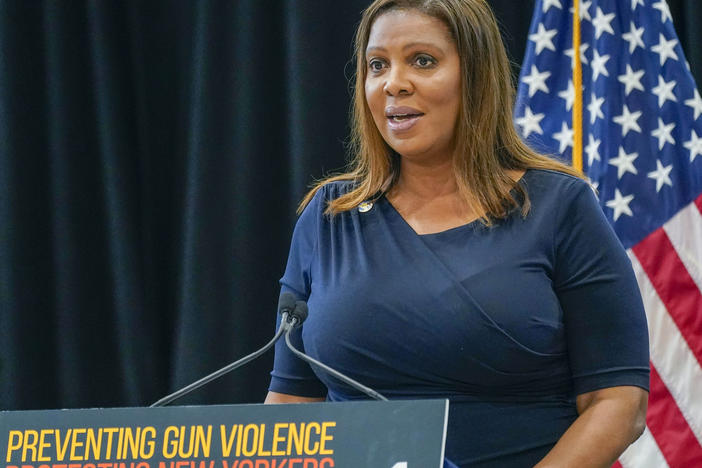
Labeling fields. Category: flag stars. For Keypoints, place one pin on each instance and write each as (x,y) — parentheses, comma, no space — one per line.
(620,204)
(634,37)
(592,150)
(570,53)
(665,49)
(624,163)
(631,80)
(599,65)
(695,103)
(568,95)
(549,3)
(663,133)
(564,137)
(662,6)
(628,120)
(635,3)
(530,123)
(536,81)
(601,22)
(543,38)
(584,10)
(694,145)
(664,91)
(595,108)
(661,175)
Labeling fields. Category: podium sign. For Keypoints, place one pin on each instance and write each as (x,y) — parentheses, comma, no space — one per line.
(363,434)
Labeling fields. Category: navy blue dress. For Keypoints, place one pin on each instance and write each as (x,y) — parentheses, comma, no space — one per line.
(509,322)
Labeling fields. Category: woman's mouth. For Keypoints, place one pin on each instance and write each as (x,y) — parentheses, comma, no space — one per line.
(403,122)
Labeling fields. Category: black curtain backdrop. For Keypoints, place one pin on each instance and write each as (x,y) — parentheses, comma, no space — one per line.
(151,158)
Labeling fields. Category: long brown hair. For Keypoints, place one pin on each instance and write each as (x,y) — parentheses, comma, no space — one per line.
(487,143)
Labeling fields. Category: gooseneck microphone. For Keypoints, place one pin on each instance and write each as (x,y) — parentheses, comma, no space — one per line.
(293,314)
(296,317)
(286,307)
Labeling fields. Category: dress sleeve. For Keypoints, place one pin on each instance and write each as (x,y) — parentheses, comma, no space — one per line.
(290,374)
(605,323)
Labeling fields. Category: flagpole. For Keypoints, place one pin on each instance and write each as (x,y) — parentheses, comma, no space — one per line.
(578,85)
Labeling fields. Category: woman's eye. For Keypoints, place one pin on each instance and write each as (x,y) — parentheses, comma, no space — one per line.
(424,61)
(375,65)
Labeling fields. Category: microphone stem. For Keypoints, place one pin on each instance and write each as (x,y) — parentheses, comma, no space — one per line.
(358,386)
(228,368)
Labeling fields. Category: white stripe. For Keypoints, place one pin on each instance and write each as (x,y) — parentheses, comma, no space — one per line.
(644,453)
(670,354)
(685,233)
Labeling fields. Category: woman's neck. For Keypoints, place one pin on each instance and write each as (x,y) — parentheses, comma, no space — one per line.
(426,180)
(427,197)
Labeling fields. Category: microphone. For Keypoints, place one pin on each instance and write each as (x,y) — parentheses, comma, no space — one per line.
(297,316)
(286,307)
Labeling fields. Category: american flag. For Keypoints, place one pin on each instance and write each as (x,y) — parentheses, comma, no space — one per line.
(641,146)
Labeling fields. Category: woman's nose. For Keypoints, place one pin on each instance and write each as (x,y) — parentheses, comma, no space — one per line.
(397,83)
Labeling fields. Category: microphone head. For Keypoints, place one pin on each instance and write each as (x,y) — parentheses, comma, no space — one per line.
(286,303)
(299,312)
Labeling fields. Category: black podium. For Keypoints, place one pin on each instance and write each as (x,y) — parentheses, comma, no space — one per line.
(364,434)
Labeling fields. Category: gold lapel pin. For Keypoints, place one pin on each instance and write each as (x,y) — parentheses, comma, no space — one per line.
(365,206)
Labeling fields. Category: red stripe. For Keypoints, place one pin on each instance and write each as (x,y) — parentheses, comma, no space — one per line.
(617,465)
(669,427)
(698,202)
(674,286)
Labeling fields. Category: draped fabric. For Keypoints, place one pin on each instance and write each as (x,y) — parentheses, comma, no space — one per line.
(151,158)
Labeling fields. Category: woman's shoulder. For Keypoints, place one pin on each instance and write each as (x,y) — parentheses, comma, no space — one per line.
(326,192)
(336,188)
(555,195)
(553,184)
(556,179)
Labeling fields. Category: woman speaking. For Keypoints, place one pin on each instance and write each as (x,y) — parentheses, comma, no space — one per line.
(452,261)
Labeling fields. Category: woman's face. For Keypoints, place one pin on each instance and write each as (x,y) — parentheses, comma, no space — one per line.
(413,83)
